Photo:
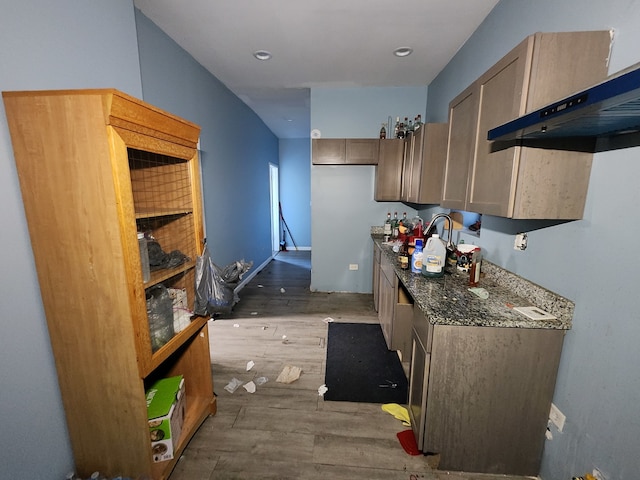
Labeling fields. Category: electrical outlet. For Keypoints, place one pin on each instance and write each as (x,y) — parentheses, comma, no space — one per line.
(557,417)
(520,242)
(353,266)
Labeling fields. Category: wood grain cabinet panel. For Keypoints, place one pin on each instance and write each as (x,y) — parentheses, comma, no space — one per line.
(389,170)
(479,397)
(424,164)
(344,151)
(96,167)
(507,179)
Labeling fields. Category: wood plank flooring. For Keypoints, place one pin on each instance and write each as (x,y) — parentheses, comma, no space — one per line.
(287,431)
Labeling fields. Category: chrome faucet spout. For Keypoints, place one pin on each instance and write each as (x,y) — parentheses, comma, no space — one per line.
(436,217)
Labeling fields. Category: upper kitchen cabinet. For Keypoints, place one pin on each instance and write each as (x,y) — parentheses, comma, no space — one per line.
(507,179)
(345,151)
(389,170)
(425,156)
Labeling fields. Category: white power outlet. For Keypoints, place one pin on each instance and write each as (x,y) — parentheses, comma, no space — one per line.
(557,417)
(353,266)
(520,242)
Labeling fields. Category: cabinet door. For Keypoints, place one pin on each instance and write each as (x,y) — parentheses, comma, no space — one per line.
(386,299)
(461,142)
(376,276)
(389,170)
(432,157)
(412,167)
(501,95)
(328,151)
(418,381)
(362,151)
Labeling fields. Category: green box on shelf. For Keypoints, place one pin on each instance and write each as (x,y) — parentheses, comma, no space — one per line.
(165,409)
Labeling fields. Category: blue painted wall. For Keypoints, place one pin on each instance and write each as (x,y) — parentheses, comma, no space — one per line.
(342,205)
(598,386)
(295,190)
(236,146)
(45,45)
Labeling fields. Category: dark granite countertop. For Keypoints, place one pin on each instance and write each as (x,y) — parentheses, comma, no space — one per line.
(448,301)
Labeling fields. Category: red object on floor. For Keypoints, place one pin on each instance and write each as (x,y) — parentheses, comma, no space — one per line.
(408,442)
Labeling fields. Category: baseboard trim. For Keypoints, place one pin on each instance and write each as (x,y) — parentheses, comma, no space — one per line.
(252,274)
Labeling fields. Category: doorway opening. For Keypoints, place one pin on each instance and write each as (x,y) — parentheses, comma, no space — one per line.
(275,209)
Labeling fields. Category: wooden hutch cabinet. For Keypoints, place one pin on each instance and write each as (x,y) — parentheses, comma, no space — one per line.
(96,167)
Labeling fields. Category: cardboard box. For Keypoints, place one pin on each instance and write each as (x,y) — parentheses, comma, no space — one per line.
(165,408)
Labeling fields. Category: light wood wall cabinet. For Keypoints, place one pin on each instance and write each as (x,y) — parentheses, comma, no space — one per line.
(344,151)
(96,166)
(506,179)
(480,396)
(425,156)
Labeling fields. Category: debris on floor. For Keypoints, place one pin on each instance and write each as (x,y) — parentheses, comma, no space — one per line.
(250,365)
(285,340)
(282,290)
(233,385)
(236,325)
(408,441)
(328,320)
(322,390)
(289,374)
(261,380)
(250,387)
(399,412)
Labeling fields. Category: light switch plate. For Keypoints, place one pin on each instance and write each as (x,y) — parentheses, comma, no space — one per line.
(535,313)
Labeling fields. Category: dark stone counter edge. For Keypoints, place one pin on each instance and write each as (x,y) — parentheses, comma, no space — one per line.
(446,301)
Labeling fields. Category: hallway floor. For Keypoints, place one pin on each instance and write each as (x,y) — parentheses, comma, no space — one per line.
(287,431)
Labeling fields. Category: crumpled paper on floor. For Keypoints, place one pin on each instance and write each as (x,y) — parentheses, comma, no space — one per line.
(250,387)
(233,385)
(289,374)
(322,390)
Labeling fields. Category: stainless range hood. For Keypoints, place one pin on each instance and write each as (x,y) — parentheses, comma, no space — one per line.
(607,109)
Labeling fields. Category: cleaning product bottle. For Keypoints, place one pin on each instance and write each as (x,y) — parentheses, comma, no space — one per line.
(434,257)
(416,257)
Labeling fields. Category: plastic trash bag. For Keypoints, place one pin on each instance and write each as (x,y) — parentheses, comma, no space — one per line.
(160,315)
(215,286)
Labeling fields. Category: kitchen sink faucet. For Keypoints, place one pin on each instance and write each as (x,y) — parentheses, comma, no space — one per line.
(450,245)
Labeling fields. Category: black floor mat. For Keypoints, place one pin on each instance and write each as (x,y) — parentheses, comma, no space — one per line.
(360,368)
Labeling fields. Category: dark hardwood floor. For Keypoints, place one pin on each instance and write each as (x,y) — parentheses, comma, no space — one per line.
(287,431)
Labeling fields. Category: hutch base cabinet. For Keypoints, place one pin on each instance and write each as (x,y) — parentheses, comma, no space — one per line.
(96,167)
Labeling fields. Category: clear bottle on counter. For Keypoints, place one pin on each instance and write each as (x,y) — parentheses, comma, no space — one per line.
(383,132)
(394,225)
(387,225)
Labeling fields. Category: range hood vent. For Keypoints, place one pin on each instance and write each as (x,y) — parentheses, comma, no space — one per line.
(606,109)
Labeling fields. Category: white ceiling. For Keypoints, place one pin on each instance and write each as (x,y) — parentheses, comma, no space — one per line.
(315,43)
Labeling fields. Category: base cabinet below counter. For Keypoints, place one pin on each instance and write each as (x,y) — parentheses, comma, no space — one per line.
(395,310)
(479,397)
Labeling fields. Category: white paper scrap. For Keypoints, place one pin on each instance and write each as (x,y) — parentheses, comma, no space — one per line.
(285,340)
(250,387)
(233,385)
(289,374)
(328,320)
(250,365)
(322,390)
(282,290)
(236,325)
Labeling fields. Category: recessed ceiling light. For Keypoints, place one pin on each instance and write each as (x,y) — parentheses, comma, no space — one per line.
(402,51)
(262,55)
